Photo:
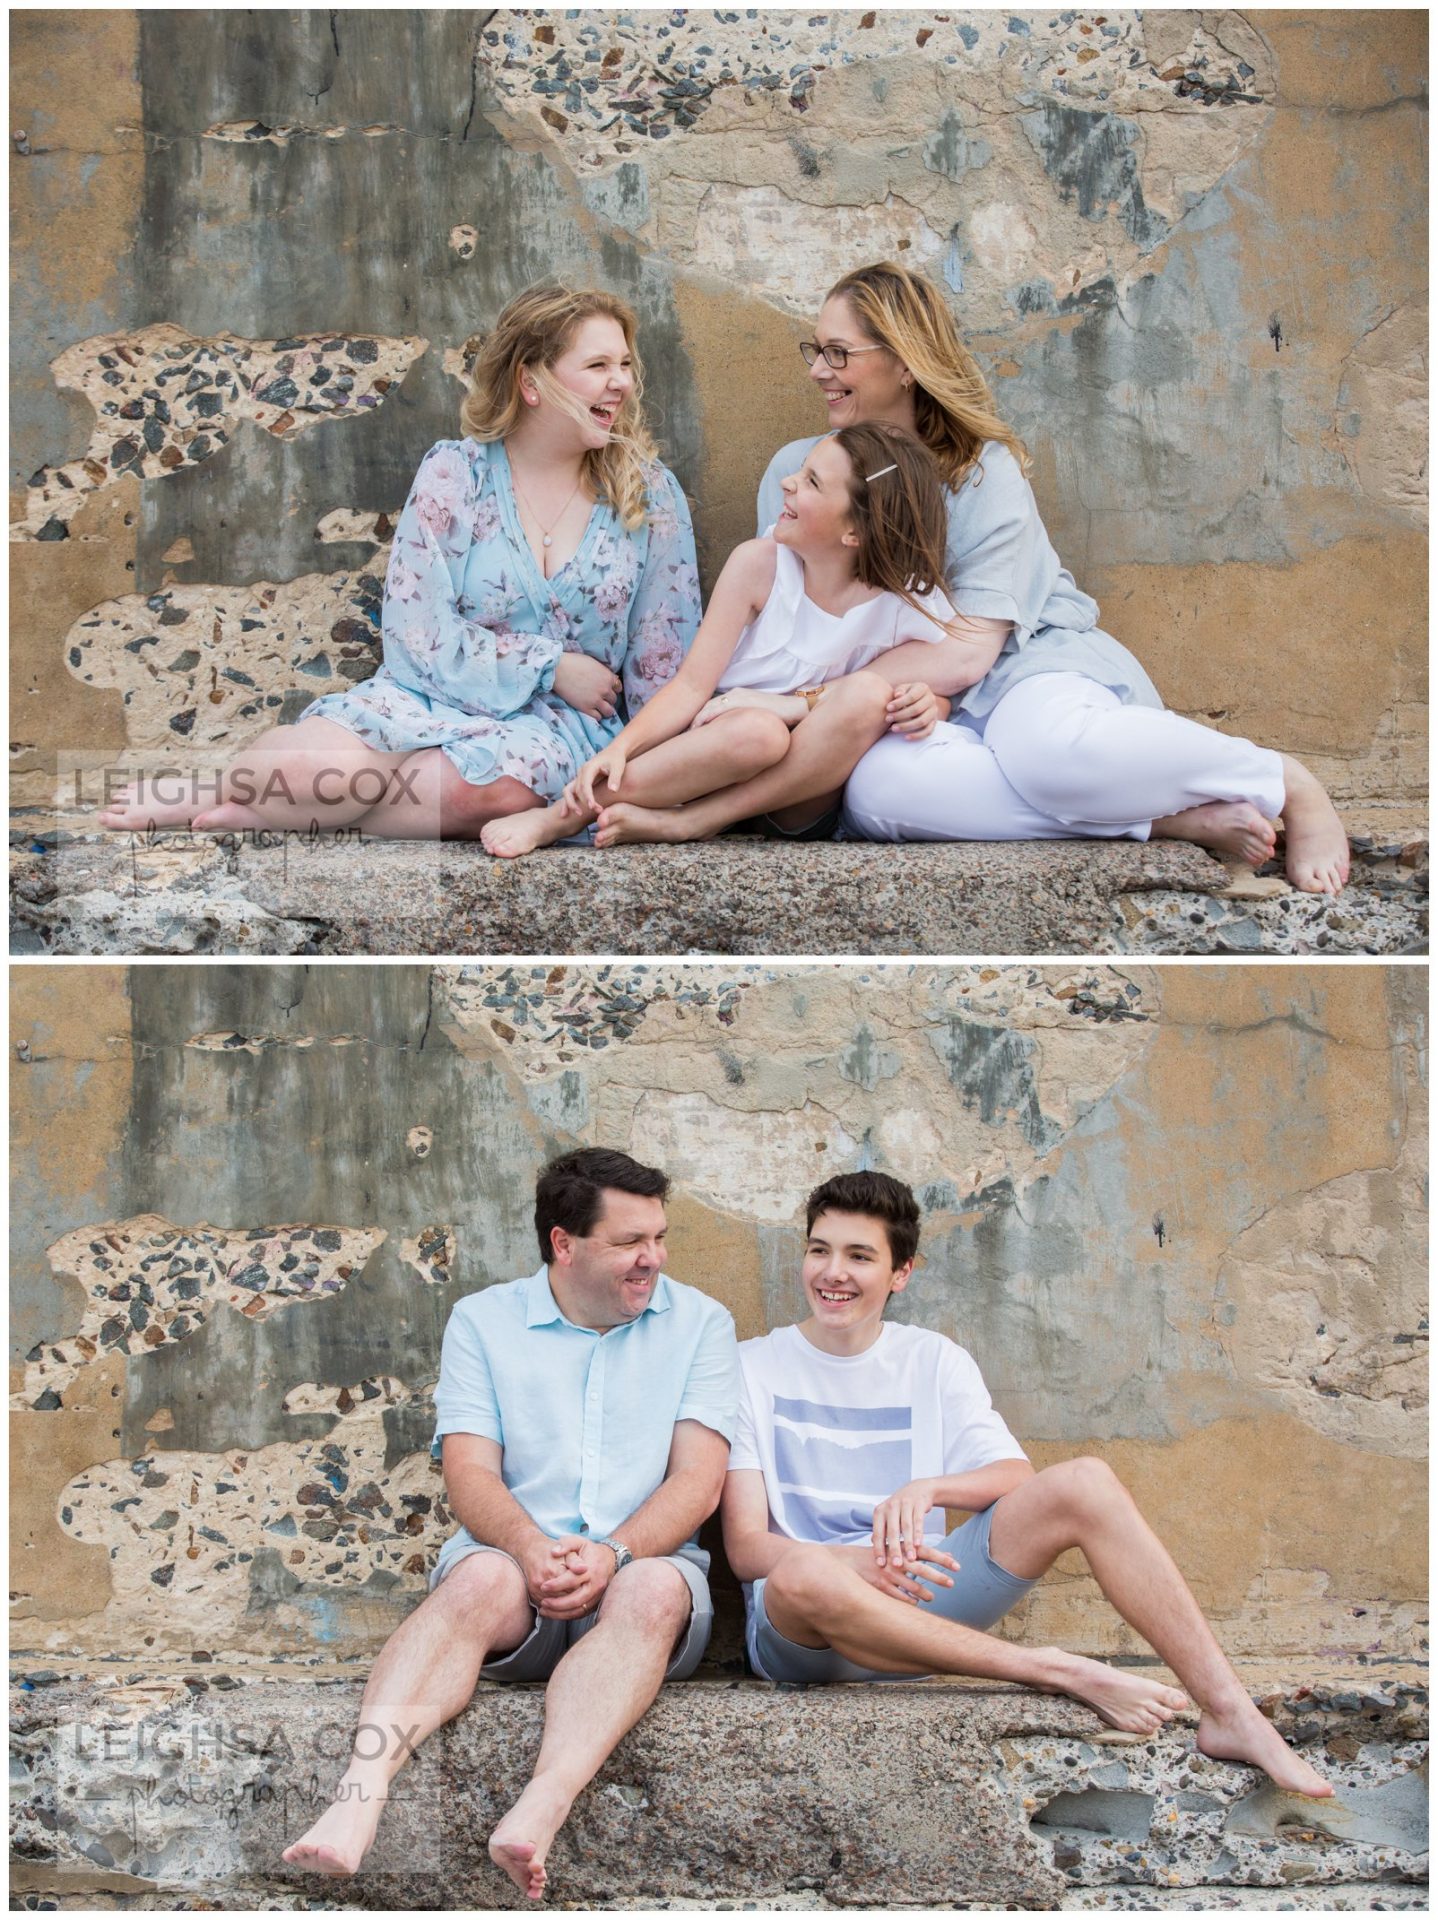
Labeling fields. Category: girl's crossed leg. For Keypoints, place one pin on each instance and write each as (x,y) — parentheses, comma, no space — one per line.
(730,749)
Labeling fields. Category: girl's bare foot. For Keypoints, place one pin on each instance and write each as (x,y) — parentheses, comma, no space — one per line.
(229,817)
(1316,859)
(521,833)
(1226,826)
(1242,1733)
(622,824)
(341,1837)
(164,803)
(1132,1702)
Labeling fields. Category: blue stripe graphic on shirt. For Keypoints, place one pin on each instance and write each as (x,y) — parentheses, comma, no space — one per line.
(854,1419)
(811,1517)
(877,1467)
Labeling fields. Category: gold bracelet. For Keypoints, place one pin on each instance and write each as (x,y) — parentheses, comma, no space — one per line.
(810,695)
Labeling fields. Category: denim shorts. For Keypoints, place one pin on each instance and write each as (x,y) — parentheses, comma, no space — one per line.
(982,1594)
(536,1657)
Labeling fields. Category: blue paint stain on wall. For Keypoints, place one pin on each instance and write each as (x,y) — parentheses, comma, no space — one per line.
(952,264)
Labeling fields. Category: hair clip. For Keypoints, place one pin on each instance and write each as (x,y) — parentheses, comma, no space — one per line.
(881,472)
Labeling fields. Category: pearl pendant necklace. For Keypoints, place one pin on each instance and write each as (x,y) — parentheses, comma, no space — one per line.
(546,537)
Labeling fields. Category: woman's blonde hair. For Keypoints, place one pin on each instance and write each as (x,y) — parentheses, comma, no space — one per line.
(897,500)
(533,331)
(953,409)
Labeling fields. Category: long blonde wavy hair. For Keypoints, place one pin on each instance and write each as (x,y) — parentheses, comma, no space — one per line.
(535,328)
(954,411)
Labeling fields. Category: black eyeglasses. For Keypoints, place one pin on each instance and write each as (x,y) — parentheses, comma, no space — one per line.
(836,357)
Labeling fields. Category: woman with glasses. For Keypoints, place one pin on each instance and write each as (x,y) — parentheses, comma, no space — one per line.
(1065,734)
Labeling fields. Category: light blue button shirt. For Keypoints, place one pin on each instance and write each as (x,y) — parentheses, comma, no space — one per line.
(586,1420)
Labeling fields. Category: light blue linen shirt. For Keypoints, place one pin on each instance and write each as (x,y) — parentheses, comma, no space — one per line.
(1000,565)
(586,1420)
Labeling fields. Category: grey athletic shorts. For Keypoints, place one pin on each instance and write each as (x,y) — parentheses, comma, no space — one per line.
(536,1657)
(982,1593)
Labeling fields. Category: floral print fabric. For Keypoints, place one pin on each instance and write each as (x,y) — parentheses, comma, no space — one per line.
(473,630)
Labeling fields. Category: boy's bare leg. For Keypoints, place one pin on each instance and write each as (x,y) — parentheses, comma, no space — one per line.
(597,1692)
(817,1597)
(824,749)
(314,771)
(1082,1503)
(732,748)
(425,1675)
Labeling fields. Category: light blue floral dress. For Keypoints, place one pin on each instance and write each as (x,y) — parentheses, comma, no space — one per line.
(473,630)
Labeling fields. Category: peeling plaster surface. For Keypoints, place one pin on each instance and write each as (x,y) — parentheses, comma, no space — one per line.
(163,399)
(148,1284)
(1175,1214)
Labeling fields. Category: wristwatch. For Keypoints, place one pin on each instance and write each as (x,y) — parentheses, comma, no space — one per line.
(622,1555)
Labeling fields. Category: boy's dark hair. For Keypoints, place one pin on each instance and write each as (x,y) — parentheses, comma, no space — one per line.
(569,1192)
(879,1195)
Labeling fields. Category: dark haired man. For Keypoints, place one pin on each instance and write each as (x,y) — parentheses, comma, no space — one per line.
(584,1418)
(856,1433)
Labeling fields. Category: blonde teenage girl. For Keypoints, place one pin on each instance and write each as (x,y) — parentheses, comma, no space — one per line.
(542,566)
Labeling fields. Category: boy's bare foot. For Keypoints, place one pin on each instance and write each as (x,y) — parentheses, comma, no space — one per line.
(1316,859)
(1242,1733)
(622,824)
(229,817)
(1130,1701)
(520,1843)
(521,833)
(1226,826)
(341,1837)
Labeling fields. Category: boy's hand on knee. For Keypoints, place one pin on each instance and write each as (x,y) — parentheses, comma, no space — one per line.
(914,1584)
(899,1523)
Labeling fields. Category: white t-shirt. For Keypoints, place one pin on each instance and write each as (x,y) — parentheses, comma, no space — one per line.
(792,642)
(835,1435)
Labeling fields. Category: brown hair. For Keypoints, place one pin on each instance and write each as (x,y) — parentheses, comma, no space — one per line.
(535,328)
(881,1197)
(954,411)
(897,500)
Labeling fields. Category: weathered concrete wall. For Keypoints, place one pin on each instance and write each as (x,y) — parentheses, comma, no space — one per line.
(1178,1215)
(1189,248)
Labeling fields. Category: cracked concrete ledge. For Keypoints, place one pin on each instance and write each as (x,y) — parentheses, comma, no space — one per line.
(172,1789)
(82,894)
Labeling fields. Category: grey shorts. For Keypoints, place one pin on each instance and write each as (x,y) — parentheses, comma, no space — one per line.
(536,1656)
(982,1593)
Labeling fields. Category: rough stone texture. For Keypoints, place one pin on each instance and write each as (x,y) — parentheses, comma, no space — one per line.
(923,1796)
(1188,248)
(1177,1213)
(278,894)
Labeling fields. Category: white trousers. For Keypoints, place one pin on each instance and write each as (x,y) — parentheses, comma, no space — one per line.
(1060,757)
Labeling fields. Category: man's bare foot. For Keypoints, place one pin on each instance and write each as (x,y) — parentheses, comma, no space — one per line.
(520,1843)
(1226,826)
(622,824)
(341,1837)
(1316,858)
(1243,1734)
(1131,1702)
(230,817)
(521,833)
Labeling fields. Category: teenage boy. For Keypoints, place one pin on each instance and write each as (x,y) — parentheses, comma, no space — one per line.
(856,1433)
(583,1419)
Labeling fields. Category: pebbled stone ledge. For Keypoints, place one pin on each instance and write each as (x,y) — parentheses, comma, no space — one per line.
(178,1789)
(84,893)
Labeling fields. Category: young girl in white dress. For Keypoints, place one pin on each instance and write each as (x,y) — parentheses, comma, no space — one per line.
(829,614)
